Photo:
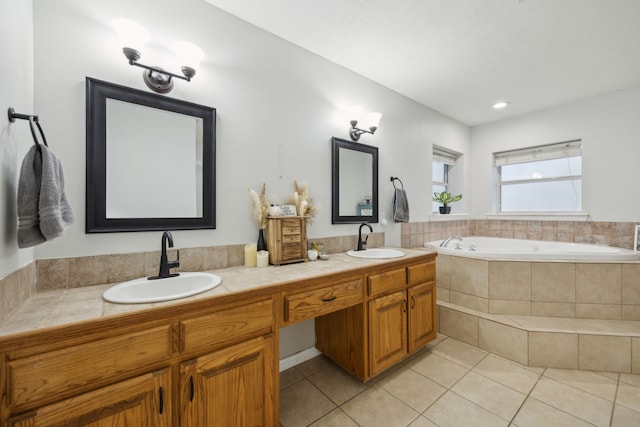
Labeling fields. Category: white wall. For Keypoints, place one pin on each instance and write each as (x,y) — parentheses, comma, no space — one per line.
(268,93)
(609,127)
(16,90)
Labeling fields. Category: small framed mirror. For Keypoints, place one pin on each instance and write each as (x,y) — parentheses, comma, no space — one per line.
(150,161)
(354,182)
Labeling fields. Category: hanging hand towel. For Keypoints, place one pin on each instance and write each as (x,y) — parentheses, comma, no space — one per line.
(43,209)
(54,209)
(28,196)
(400,204)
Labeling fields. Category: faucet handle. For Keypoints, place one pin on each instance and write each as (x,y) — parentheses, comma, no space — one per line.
(176,263)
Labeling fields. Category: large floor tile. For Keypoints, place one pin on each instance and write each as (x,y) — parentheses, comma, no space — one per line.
(506,372)
(452,410)
(335,418)
(633,379)
(412,388)
(625,417)
(628,396)
(581,404)
(337,384)
(592,382)
(537,414)
(302,403)
(290,377)
(459,352)
(438,369)
(495,397)
(375,407)
(422,422)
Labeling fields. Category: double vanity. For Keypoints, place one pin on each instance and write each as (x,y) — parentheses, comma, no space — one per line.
(212,358)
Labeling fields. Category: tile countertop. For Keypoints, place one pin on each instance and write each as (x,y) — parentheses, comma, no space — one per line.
(65,306)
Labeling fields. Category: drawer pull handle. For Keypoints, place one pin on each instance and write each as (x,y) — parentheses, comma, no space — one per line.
(413,302)
(192,390)
(161,401)
(329,299)
(404,305)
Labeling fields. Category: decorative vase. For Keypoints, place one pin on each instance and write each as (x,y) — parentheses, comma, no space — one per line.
(262,244)
(445,209)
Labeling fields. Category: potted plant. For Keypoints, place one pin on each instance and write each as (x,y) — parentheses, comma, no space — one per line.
(445,198)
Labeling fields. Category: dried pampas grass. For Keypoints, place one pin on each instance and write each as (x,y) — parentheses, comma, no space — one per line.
(260,206)
(302,201)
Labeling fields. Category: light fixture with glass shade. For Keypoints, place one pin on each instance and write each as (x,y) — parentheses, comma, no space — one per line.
(133,36)
(368,120)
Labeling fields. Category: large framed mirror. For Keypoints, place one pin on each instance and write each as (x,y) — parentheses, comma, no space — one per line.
(150,161)
(354,182)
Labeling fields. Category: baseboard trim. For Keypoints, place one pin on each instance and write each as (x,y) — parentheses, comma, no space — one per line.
(297,358)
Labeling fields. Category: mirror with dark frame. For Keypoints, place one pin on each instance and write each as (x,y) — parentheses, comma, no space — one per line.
(354,182)
(150,161)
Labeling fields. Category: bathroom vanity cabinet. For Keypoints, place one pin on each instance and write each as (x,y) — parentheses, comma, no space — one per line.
(179,370)
(214,361)
(397,318)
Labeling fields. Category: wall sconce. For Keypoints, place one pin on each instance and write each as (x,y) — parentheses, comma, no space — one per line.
(133,36)
(370,120)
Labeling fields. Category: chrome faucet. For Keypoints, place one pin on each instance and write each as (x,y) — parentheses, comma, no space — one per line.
(449,239)
(363,243)
(166,265)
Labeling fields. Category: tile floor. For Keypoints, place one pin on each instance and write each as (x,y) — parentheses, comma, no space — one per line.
(450,383)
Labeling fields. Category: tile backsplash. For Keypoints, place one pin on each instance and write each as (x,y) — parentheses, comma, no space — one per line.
(64,273)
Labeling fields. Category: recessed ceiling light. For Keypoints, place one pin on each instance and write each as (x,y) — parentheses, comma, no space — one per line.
(500,105)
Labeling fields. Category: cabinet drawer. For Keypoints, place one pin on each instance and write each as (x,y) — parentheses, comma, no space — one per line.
(391,280)
(291,226)
(314,303)
(291,238)
(421,273)
(59,372)
(226,326)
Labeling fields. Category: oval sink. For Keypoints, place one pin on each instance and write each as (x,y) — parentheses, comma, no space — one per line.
(376,253)
(143,290)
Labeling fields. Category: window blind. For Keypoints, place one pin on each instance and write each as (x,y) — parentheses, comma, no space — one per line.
(542,152)
(447,157)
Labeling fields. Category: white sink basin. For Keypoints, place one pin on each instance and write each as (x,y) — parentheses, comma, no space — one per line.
(143,290)
(376,253)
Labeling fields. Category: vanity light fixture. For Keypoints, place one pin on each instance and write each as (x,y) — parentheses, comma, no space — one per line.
(370,120)
(133,36)
(500,105)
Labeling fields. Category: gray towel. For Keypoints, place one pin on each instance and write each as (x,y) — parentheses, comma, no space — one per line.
(400,206)
(43,209)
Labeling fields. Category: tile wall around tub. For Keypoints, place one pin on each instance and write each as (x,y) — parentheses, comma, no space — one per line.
(64,273)
(619,234)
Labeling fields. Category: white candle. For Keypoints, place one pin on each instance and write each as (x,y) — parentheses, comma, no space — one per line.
(250,254)
(263,259)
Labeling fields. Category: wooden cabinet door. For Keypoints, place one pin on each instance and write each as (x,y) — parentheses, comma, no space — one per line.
(144,401)
(235,386)
(422,315)
(387,330)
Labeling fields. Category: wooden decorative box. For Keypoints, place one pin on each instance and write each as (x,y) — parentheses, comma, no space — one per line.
(286,239)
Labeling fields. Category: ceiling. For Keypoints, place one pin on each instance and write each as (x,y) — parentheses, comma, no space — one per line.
(461,56)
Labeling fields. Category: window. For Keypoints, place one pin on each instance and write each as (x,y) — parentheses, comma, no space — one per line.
(546,178)
(442,164)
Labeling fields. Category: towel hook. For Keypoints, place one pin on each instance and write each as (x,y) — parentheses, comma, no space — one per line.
(394,179)
(33,121)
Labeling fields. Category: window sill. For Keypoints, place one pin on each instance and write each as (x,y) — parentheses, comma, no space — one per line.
(450,217)
(541,216)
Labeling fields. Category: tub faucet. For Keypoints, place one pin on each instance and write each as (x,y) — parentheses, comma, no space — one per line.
(166,265)
(449,239)
(363,243)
